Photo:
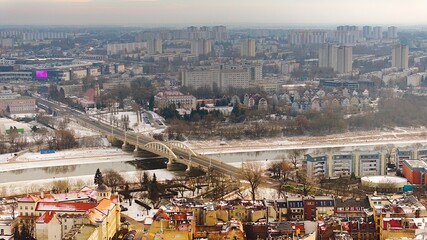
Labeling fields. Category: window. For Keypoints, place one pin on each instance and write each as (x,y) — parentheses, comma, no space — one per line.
(65,227)
(2,231)
(26,207)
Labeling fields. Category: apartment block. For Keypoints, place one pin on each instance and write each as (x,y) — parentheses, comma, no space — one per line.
(399,56)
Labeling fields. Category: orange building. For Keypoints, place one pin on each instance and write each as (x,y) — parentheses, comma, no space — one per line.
(415,171)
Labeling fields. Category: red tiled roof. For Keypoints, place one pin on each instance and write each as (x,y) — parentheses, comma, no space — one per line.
(65,206)
(46,217)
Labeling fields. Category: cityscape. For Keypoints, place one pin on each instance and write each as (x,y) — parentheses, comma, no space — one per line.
(199,120)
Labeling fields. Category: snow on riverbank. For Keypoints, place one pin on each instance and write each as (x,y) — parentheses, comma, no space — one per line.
(400,137)
(21,187)
(64,158)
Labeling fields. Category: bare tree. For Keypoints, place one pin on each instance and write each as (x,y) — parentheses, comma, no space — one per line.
(295,155)
(40,136)
(306,182)
(64,139)
(113,179)
(252,173)
(61,186)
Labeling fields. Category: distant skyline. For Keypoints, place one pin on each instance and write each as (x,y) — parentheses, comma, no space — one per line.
(208,12)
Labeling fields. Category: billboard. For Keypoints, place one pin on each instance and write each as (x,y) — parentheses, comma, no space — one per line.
(41,73)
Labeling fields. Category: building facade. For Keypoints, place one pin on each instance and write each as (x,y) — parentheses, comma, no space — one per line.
(399,56)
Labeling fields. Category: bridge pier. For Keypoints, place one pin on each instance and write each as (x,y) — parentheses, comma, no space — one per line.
(127,147)
(138,152)
(173,166)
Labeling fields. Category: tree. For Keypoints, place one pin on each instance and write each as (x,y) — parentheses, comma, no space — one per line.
(252,173)
(153,192)
(126,192)
(294,155)
(306,182)
(60,186)
(143,179)
(98,179)
(113,179)
(64,139)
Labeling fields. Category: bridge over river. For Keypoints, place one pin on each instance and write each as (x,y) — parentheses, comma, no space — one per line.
(174,151)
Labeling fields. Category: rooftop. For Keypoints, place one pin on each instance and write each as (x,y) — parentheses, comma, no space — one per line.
(416,164)
(65,206)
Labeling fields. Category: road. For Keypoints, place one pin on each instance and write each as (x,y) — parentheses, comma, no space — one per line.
(134,138)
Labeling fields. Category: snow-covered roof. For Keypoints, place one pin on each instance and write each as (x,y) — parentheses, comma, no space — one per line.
(65,206)
(100,212)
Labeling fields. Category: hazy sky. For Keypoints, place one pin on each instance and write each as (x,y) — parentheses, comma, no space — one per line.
(165,12)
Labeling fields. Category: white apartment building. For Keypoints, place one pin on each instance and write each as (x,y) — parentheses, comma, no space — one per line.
(346,163)
(234,78)
(121,48)
(201,78)
(302,37)
(224,76)
(369,163)
(167,98)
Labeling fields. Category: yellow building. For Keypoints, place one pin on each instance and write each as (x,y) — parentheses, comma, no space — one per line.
(232,230)
(171,225)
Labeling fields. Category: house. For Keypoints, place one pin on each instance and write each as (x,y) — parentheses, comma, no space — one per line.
(351,208)
(48,226)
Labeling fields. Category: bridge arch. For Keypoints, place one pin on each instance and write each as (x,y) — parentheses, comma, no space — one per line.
(181,146)
(160,148)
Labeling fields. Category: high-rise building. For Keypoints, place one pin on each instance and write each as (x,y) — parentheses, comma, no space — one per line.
(377,33)
(247,48)
(399,56)
(392,32)
(201,47)
(367,32)
(155,46)
(344,59)
(339,58)
(219,33)
(328,56)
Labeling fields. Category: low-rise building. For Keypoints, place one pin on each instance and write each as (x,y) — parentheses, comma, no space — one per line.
(180,100)
(415,171)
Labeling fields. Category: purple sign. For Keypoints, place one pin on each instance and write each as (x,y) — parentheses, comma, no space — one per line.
(41,74)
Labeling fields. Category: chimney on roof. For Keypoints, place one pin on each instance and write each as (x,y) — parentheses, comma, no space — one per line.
(42,194)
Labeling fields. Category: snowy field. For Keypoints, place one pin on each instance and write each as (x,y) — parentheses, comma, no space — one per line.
(80,131)
(137,126)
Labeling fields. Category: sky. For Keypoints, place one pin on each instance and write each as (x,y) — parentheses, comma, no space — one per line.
(212,12)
